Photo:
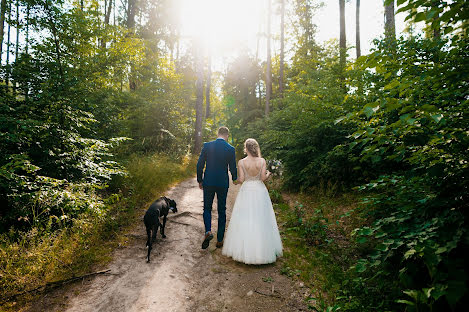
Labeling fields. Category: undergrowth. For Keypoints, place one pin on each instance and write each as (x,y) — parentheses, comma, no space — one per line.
(318,248)
(33,259)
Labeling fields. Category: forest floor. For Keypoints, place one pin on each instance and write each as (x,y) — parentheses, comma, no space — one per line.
(181,276)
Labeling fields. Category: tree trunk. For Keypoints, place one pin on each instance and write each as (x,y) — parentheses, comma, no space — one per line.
(26,43)
(199,103)
(268,79)
(131,14)
(342,39)
(107,18)
(17,43)
(207,88)
(357,30)
(131,27)
(3,10)
(282,48)
(7,74)
(389,22)
(436,27)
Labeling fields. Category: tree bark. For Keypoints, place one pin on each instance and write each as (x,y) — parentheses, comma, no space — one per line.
(207,88)
(342,39)
(17,43)
(357,30)
(7,74)
(3,10)
(131,8)
(131,27)
(282,48)
(107,18)
(389,22)
(436,27)
(26,43)
(199,103)
(268,79)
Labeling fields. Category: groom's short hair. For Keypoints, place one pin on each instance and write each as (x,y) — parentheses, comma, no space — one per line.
(223,131)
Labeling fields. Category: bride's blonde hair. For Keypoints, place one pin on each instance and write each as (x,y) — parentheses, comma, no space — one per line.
(251,146)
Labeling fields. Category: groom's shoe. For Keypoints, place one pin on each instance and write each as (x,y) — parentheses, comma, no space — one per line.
(219,244)
(207,239)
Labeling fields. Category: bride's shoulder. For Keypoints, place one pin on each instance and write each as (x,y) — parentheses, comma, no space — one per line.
(241,160)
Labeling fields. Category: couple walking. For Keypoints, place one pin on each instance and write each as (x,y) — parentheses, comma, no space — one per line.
(252,236)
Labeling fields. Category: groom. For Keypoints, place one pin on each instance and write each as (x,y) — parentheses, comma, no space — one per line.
(216,156)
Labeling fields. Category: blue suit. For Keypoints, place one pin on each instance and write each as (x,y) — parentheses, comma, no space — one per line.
(217,157)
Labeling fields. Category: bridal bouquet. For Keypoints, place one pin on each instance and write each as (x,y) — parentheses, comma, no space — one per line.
(275,167)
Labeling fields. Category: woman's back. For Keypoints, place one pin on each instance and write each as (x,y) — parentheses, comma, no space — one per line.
(252,166)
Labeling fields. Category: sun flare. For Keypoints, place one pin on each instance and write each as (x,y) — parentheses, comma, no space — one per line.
(222,25)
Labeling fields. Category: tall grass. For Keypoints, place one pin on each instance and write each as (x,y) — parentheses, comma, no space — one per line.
(40,256)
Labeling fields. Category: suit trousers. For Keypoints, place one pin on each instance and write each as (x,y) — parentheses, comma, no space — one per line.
(209,195)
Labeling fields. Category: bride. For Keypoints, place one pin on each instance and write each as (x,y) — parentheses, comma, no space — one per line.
(252,236)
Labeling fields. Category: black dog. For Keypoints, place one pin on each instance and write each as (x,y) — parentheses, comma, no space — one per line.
(158,209)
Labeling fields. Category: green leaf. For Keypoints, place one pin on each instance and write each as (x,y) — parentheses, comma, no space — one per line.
(437,117)
(394,83)
(360,267)
(405,302)
(419,17)
(370,109)
(409,253)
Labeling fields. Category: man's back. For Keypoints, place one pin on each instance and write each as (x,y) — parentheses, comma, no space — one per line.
(217,156)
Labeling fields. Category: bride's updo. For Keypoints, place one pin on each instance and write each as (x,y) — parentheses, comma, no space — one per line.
(251,146)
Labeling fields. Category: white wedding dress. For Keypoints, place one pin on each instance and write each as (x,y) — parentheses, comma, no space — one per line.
(252,236)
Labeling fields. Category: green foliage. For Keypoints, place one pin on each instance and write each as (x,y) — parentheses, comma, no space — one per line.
(419,232)
(71,245)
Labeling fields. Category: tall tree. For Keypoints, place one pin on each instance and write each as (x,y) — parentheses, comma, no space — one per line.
(268,78)
(357,30)
(7,80)
(107,18)
(282,47)
(389,22)
(207,88)
(199,102)
(26,43)
(17,42)
(342,39)
(435,24)
(131,9)
(3,10)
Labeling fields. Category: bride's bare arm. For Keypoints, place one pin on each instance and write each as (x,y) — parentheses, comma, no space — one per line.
(265,174)
(240,173)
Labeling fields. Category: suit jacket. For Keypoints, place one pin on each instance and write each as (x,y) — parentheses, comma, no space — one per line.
(216,156)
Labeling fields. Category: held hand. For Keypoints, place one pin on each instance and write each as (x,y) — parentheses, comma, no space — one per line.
(201,186)
(235,182)
(267,174)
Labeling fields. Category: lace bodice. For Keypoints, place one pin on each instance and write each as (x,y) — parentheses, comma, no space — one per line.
(248,177)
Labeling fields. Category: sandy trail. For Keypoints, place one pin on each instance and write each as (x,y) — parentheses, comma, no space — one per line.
(181,276)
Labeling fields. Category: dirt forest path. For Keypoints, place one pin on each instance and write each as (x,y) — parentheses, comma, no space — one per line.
(181,276)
